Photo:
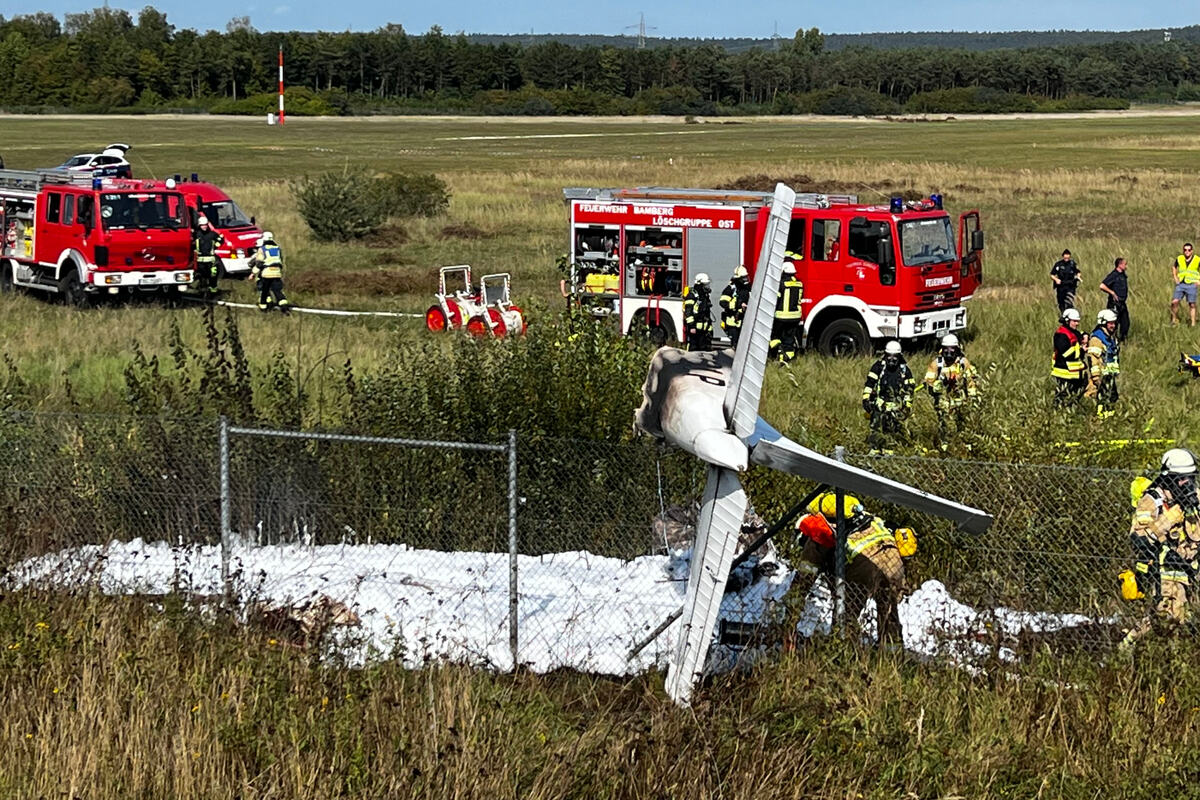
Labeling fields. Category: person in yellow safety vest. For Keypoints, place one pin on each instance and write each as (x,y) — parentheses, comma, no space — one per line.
(1068,370)
(734,301)
(1104,364)
(787,330)
(1165,537)
(953,384)
(266,265)
(697,314)
(887,398)
(874,559)
(1186,269)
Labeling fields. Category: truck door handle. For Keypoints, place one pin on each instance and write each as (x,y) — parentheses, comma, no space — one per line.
(848,288)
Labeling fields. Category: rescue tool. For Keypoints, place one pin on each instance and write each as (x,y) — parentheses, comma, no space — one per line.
(707,404)
(488,311)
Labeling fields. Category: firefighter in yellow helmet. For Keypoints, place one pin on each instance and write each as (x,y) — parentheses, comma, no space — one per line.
(734,301)
(1165,537)
(874,559)
(953,386)
(787,331)
(266,266)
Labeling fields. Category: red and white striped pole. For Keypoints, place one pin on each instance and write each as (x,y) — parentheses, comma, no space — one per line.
(281,84)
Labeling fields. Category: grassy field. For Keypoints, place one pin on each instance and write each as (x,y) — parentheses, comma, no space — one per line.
(113,699)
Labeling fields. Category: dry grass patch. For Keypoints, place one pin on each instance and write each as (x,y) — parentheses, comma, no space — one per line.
(372,282)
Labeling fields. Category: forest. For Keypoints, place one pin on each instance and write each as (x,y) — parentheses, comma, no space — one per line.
(107,60)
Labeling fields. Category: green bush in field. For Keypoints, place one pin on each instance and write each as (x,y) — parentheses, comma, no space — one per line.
(411,195)
(969,100)
(339,206)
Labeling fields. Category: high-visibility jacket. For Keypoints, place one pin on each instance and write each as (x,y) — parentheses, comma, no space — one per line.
(1188,268)
(787,306)
(951,381)
(697,310)
(1104,352)
(268,261)
(206,245)
(1068,354)
(733,303)
(889,389)
(868,540)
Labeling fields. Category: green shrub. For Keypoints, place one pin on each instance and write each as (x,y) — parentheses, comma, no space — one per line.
(969,100)
(299,102)
(416,195)
(339,206)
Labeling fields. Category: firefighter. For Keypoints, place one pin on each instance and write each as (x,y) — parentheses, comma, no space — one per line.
(697,314)
(887,398)
(787,331)
(205,242)
(1186,269)
(1068,370)
(1103,355)
(951,381)
(874,564)
(733,302)
(1165,538)
(267,268)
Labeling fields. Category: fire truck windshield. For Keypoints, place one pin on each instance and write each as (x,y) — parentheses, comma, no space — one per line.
(927,241)
(119,211)
(225,214)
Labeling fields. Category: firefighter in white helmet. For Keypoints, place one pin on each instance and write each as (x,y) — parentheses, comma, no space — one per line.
(205,241)
(1103,355)
(953,387)
(1068,370)
(266,266)
(887,399)
(697,313)
(734,301)
(787,330)
(874,558)
(1165,537)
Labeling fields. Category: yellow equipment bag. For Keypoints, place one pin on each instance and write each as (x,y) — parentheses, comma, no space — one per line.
(601,284)
(1129,587)
(906,542)
(1137,488)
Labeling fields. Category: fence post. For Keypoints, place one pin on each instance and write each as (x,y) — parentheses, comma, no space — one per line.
(226,515)
(512,547)
(839,556)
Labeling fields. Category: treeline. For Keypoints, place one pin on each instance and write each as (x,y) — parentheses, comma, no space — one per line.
(104,59)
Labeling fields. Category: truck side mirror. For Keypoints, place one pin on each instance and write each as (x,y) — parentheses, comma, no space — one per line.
(976,240)
(253,221)
(886,258)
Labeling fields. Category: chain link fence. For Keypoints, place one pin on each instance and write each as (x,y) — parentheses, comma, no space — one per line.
(543,552)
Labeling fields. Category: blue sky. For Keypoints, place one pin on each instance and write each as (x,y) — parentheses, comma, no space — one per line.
(698,18)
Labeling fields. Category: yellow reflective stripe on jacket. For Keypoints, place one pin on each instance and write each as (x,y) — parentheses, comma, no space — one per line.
(874,536)
(791,293)
(1189,269)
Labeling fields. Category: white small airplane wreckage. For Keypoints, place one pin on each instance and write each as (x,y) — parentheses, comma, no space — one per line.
(707,404)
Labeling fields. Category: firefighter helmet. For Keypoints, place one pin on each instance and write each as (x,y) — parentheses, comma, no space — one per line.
(266,237)
(789,268)
(892,348)
(1071,315)
(826,505)
(202,220)
(1105,316)
(740,272)
(702,279)
(949,340)
(1178,461)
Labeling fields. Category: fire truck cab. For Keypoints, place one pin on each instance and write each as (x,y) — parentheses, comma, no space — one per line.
(241,233)
(870,271)
(79,236)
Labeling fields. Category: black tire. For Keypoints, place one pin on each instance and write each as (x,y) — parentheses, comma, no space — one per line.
(658,334)
(70,289)
(6,277)
(844,338)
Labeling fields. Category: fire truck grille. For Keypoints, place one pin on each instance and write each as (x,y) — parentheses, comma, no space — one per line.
(930,300)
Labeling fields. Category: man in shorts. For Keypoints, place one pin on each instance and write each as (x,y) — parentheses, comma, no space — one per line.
(1186,269)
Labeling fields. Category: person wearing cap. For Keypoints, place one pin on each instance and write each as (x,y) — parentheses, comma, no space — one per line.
(1068,370)
(787,329)
(1116,286)
(887,399)
(953,385)
(1165,538)
(1065,274)
(874,560)
(1186,270)
(266,266)
(734,301)
(205,242)
(697,313)
(1104,365)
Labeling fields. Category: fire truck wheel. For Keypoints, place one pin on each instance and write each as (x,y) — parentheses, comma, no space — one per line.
(435,320)
(843,338)
(71,290)
(6,277)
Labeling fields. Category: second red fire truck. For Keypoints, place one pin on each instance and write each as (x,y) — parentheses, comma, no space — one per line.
(899,269)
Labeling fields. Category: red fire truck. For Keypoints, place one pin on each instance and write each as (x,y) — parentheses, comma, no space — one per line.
(80,236)
(241,233)
(870,271)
